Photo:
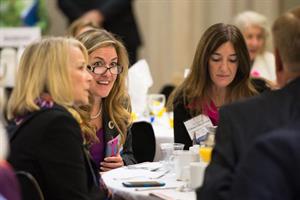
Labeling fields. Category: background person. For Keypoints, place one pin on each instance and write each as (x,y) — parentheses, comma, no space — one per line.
(116,16)
(81,25)
(219,75)
(255,29)
(110,106)
(242,123)
(51,79)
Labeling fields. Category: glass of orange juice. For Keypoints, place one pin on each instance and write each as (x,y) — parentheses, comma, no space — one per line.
(205,153)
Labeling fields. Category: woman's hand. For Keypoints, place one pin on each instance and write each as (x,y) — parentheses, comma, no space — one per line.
(112,162)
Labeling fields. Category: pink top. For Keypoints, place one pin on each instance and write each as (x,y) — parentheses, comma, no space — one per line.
(210,110)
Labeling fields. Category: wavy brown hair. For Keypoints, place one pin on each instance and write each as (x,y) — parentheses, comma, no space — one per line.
(117,103)
(196,86)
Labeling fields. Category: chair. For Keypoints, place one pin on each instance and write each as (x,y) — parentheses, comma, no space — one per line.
(143,141)
(30,188)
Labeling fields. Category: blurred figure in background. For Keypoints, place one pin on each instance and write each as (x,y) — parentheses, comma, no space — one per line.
(219,75)
(81,25)
(241,123)
(255,29)
(53,79)
(116,16)
(109,112)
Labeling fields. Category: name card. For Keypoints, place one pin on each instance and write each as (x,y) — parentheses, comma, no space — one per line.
(19,36)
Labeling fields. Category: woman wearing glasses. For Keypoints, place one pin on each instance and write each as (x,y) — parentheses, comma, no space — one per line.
(110,107)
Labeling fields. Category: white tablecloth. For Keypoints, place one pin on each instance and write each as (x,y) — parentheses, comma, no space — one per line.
(114,179)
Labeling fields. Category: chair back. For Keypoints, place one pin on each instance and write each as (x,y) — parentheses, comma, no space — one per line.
(30,188)
(143,141)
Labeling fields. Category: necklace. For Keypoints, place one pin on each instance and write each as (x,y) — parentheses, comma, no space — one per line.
(98,114)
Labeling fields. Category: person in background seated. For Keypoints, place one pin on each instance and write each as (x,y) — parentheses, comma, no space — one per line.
(255,29)
(219,75)
(81,25)
(241,123)
(109,110)
(269,171)
(45,134)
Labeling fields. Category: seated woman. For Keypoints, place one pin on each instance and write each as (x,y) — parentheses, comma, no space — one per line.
(110,106)
(46,137)
(255,30)
(219,75)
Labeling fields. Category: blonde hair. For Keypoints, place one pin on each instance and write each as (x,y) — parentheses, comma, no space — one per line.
(44,68)
(286,33)
(195,88)
(251,18)
(78,25)
(117,103)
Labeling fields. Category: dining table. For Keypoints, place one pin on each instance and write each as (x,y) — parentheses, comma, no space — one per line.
(148,171)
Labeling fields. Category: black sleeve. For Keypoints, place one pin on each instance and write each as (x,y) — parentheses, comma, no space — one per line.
(110,8)
(127,153)
(70,9)
(219,174)
(61,159)
(181,114)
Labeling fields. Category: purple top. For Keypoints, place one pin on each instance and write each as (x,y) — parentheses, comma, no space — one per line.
(97,149)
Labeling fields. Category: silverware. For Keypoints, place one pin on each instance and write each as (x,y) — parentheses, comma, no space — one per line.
(161,175)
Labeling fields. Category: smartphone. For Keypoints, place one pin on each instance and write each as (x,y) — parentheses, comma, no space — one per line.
(143,183)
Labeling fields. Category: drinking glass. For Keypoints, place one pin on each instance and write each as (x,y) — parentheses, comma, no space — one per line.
(156,103)
(167,150)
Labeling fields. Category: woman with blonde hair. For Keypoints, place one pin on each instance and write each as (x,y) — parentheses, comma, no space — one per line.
(219,75)
(45,134)
(110,108)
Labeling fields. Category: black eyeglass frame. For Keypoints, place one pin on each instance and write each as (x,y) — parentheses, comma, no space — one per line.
(92,69)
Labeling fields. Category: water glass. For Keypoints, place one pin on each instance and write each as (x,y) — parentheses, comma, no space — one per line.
(167,150)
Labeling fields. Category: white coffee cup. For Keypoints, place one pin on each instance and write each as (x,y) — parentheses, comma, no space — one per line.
(181,160)
(197,170)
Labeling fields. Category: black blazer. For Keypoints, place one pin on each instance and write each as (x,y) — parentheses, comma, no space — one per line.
(270,171)
(110,132)
(240,124)
(50,147)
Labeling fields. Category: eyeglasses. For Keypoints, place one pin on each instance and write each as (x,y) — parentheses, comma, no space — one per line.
(101,68)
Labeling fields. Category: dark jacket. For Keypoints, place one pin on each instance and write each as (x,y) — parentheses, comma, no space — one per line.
(118,14)
(270,169)
(181,114)
(240,124)
(50,147)
(110,132)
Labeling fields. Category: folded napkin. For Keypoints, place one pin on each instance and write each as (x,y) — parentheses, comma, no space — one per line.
(139,81)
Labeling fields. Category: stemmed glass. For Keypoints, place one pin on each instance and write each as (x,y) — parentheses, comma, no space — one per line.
(156,103)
